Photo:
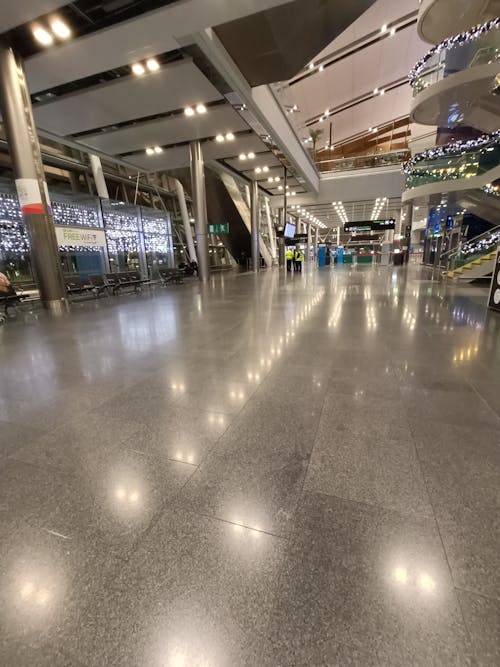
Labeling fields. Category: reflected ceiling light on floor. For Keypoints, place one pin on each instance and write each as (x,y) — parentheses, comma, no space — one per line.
(138,69)
(189,111)
(201,108)
(230,136)
(220,138)
(158,150)
(42,36)
(152,64)
(60,29)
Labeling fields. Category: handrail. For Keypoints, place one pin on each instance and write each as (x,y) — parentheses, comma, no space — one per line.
(364,161)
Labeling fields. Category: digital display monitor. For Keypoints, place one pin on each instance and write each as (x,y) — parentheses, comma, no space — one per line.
(289,232)
(370,225)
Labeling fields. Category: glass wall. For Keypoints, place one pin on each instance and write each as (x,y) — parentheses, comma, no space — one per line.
(136,238)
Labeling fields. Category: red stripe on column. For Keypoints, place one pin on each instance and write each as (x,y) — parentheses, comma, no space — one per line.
(32,208)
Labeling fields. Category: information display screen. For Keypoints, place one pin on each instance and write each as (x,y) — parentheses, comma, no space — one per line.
(289,232)
(370,225)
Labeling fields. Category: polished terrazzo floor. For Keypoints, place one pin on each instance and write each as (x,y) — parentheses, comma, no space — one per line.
(272,470)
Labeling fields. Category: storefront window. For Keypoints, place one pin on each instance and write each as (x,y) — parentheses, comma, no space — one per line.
(123,235)
(14,243)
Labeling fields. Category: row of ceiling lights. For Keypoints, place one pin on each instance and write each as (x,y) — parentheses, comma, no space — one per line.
(377,207)
(309,216)
(45,36)
(247,156)
(383,29)
(229,136)
(340,210)
(198,109)
(151,64)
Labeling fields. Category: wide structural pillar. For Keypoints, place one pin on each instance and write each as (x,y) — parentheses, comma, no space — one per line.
(254,208)
(98,174)
(181,198)
(200,208)
(24,149)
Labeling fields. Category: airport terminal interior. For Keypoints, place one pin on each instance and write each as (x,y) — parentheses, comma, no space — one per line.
(249,333)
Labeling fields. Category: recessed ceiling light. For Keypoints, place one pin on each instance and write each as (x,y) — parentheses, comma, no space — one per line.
(270,179)
(251,156)
(277,179)
(383,28)
(153,65)
(242,156)
(382,92)
(321,68)
(219,138)
(189,111)
(230,136)
(158,149)
(375,91)
(149,151)
(43,36)
(138,69)
(201,108)
(280,187)
(265,169)
(311,65)
(60,29)
(393,32)
(258,170)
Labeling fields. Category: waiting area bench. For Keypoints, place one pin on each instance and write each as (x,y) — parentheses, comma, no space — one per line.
(124,280)
(172,276)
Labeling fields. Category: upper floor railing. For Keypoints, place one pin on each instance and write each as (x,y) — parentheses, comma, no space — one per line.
(459,160)
(478,46)
(363,161)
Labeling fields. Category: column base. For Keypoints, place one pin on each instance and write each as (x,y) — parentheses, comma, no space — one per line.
(57,306)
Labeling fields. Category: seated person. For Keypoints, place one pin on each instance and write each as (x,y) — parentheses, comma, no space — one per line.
(6,288)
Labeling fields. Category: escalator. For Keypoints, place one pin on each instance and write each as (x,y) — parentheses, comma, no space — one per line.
(474,259)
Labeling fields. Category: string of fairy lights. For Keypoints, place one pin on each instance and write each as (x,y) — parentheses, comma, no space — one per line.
(465,37)
(123,227)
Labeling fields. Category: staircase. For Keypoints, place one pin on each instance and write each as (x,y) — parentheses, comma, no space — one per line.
(476,258)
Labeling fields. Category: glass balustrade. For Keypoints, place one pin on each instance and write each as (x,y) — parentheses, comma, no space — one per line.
(482,49)
(456,162)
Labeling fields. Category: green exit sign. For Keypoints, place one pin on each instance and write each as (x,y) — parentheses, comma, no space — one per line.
(221,228)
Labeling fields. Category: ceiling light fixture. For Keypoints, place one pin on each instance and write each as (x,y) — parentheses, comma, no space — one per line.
(60,29)
(43,36)
(375,91)
(321,68)
(270,179)
(280,187)
(311,65)
(138,69)
(258,170)
(152,64)
(150,151)
(393,32)
(277,179)
(242,156)
(251,156)
(265,169)
(230,136)
(201,108)
(383,28)
(189,111)
(158,149)
(382,92)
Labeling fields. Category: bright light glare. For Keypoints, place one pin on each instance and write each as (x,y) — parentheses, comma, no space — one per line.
(41,35)
(201,108)
(152,65)
(138,69)
(60,29)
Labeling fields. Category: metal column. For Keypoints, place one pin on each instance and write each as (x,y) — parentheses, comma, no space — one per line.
(254,209)
(200,207)
(24,149)
(309,242)
(338,236)
(181,197)
(270,229)
(97,173)
(316,239)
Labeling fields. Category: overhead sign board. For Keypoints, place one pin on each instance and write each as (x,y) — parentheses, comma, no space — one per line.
(87,237)
(219,228)
(370,225)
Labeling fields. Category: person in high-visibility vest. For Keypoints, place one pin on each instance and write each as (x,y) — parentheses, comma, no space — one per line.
(299,258)
(289,259)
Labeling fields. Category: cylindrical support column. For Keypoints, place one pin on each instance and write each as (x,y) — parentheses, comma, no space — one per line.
(309,242)
(97,173)
(181,197)
(200,208)
(24,149)
(316,241)
(254,209)
(338,236)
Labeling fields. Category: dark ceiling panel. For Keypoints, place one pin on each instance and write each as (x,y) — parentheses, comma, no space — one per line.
(275,44)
